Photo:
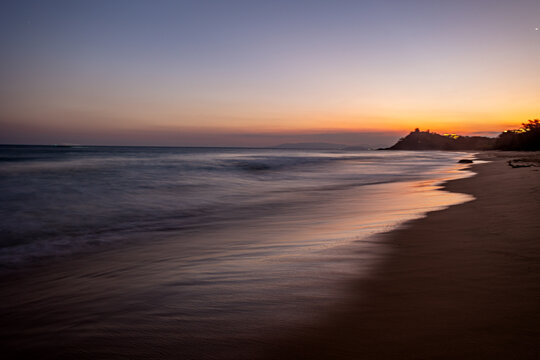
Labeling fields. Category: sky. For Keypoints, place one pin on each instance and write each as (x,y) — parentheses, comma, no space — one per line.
(259,73)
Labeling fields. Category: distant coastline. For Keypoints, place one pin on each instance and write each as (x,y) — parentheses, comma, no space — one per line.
(322,146)
(525,138)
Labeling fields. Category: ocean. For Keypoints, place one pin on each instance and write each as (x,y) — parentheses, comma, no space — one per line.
(126,252)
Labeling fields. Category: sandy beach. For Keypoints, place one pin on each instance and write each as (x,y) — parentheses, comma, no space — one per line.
(462,283)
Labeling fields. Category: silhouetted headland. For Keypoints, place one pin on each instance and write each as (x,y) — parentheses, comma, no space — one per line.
(426,140)
(526,138)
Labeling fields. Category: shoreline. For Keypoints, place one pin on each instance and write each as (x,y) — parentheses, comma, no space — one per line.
(395,312)
(192,295)
(461,283)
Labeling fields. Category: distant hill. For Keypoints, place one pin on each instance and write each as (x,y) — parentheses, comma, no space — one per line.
(425,140)
(361,147)
(312,146)
(322,146)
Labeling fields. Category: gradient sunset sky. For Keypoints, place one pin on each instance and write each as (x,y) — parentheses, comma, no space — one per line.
(258,73)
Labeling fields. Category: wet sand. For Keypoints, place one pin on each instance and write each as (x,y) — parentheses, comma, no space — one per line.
(462,283)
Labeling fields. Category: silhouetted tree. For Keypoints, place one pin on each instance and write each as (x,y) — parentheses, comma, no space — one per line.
(526,138)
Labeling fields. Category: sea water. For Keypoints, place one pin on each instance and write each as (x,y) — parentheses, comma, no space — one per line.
(200,252)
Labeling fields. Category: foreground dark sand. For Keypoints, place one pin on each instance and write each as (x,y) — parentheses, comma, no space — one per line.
(463,283)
